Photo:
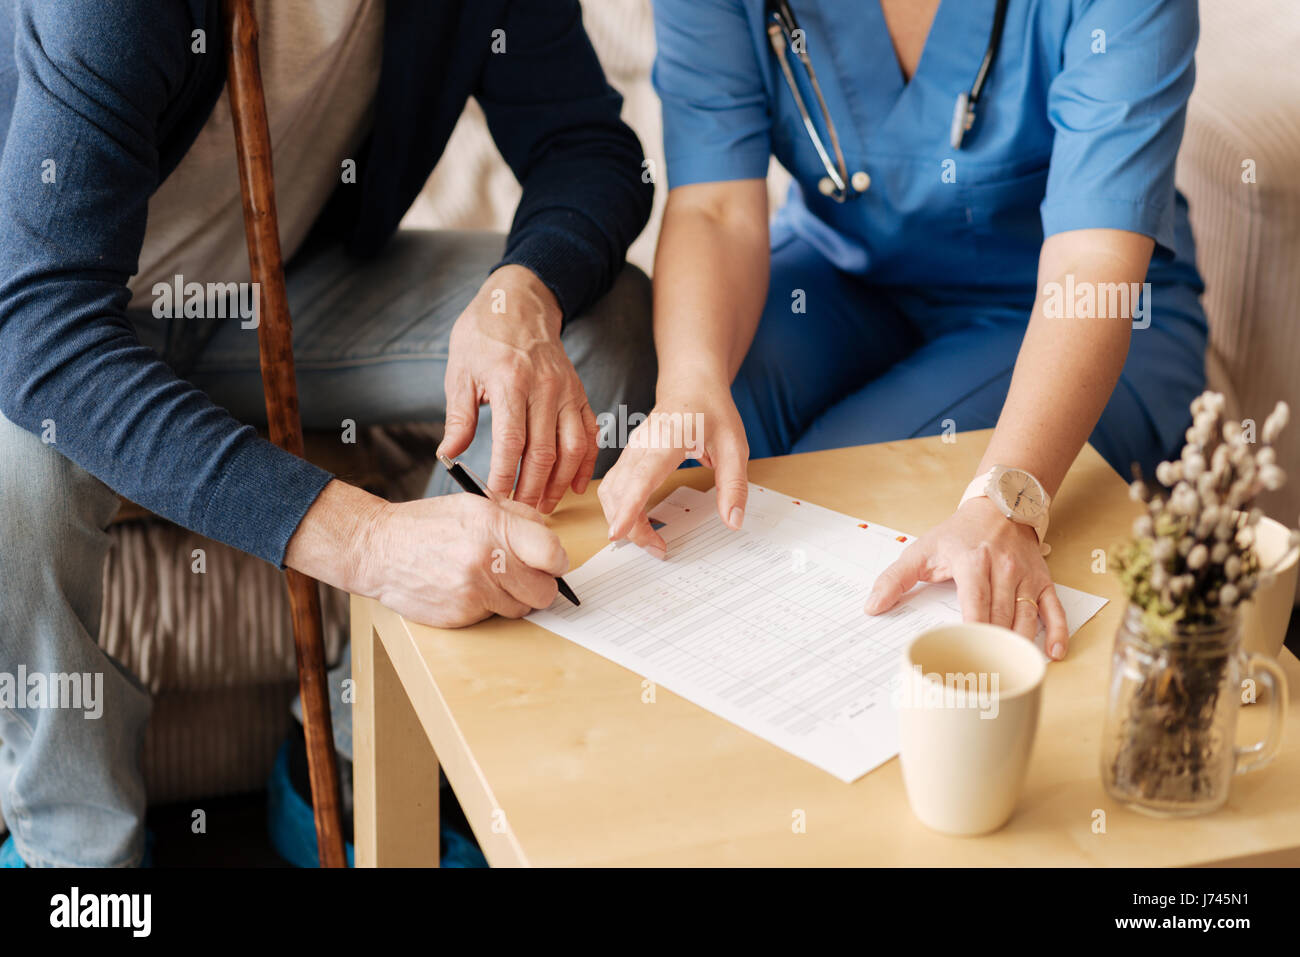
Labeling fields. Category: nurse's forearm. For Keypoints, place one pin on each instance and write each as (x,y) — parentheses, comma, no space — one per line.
(710,281)
(1067,367)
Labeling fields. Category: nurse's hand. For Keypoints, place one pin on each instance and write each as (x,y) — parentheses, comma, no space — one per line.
(701,423)
(994,561)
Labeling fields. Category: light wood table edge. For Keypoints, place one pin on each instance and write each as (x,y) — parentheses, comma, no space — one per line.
(387,633)
(395,803)
(1282,857)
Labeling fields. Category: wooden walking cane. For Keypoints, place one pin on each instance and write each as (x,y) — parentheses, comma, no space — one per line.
(275,344)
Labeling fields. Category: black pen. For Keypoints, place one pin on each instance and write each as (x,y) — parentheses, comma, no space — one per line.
(468,481)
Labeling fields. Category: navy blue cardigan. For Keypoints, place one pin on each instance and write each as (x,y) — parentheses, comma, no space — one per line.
(112,92)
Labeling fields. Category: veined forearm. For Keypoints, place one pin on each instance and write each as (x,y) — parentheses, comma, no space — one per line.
(332,538)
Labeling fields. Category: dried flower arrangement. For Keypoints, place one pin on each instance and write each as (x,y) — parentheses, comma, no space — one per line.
(1191,563)
(1192,558)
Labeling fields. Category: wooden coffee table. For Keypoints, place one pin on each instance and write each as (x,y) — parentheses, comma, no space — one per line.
(558,759)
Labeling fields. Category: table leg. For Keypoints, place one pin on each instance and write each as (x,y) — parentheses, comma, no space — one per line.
(395,771)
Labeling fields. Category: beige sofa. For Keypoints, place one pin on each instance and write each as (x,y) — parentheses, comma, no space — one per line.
(216,649)
(1245,116)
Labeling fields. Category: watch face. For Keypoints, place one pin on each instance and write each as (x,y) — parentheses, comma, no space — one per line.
(1021,494)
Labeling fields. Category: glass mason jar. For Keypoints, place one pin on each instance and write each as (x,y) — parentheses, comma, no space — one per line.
(1169,745)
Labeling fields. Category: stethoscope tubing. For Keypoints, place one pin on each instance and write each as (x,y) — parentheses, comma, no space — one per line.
(781,29)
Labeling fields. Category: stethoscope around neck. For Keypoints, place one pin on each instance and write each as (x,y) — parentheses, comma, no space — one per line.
(837,183)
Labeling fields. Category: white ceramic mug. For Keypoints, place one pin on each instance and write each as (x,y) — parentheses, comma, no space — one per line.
(1265,617)
(967,715)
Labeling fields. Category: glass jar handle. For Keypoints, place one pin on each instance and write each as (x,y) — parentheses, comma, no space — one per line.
(1262,752)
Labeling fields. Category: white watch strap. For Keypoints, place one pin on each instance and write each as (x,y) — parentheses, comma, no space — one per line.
(979,486)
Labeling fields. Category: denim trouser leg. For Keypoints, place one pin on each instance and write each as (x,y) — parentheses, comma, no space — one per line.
(71,787)
(370,344)
(371,339)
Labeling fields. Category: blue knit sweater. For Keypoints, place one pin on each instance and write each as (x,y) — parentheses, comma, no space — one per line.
(112,91)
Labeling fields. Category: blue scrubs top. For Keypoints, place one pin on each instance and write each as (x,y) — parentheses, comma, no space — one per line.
(1078,127)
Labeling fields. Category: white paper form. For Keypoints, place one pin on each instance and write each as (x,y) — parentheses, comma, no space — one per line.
(764,626)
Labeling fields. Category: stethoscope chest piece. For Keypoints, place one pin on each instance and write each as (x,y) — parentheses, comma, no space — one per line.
(860,181)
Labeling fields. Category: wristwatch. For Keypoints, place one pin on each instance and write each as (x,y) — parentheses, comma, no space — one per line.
(1017,494)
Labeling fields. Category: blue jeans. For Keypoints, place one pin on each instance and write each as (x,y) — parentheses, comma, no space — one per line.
(865,363)
(370,343)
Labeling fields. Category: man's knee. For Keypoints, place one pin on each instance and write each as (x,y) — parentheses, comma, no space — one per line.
(612,344)
(612,347)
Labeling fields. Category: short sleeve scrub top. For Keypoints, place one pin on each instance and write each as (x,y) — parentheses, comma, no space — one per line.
(899,311)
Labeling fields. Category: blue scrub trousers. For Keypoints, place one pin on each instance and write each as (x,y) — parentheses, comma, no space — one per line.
(866,363)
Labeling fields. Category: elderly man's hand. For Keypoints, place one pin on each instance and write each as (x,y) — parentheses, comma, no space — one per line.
(446,561)
(505,351)
(453,560)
